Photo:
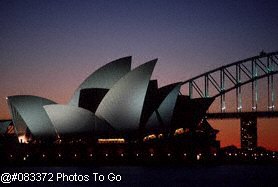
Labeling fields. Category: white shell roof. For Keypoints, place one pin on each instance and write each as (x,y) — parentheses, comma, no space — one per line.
(104,77)
(70,119)
(165,110)
(122,105)
(27,111)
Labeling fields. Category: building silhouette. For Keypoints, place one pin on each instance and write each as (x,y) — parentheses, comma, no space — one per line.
(248,137)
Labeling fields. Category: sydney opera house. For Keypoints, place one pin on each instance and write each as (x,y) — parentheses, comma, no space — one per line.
(115,105)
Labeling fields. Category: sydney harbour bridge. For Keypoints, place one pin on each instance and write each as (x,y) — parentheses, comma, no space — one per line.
(245,90)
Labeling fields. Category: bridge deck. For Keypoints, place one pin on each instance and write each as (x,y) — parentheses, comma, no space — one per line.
(233,115)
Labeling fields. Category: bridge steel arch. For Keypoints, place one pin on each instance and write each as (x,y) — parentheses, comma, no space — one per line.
(237,74)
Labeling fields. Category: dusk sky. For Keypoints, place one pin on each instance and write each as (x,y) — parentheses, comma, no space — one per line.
(47,48)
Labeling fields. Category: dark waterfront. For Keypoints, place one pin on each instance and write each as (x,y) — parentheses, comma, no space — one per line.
(195,175)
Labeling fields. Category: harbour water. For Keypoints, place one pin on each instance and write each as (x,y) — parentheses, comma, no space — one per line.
(195,175)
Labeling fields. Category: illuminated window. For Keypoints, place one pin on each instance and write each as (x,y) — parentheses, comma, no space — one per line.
(150,137)
(111,140)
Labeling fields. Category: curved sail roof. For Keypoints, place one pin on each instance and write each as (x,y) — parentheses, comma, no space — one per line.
(71,120)
(121,107)
(163,115)
(27,111)
(104,77)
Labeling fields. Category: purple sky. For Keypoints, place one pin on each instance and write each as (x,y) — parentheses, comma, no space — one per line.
(47,48)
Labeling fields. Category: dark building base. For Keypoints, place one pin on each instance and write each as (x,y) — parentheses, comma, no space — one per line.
(155,152)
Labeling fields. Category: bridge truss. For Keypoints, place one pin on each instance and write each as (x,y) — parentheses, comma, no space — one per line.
(218,82)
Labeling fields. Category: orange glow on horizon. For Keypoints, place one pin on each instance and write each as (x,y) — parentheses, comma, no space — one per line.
(230,132)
